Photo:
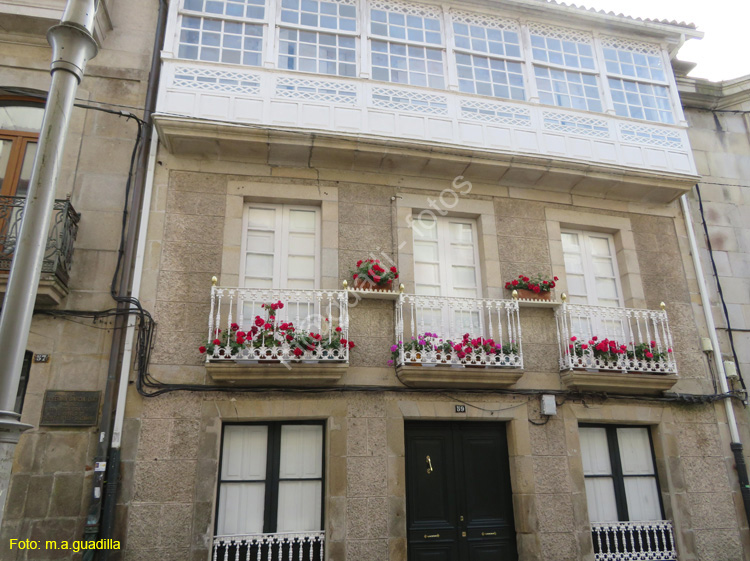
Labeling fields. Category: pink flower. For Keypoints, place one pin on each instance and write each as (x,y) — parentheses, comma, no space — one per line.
(653,344)
(584,346)
(574,338)
(669,350)
(649,355)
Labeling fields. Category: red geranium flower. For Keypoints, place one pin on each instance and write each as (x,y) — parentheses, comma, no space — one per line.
(217,342)
(298,352)
(338,330)
(202,349)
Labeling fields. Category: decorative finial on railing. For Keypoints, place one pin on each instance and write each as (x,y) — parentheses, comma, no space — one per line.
(514,294)
(214,280)
(663,306)
(563,297)
(401,288)
(346,284)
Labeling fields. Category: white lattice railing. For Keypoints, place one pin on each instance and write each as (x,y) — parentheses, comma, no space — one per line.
(349,105)
(434,330)
(618,339)
(246,324)
(634,541)
(296,546)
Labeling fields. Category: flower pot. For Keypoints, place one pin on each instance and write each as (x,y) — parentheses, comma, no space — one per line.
(525,294)
(361,283)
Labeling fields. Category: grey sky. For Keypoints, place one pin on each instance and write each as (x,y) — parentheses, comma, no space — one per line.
(724,52)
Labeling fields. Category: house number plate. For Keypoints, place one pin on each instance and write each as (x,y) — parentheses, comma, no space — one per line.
(460,408)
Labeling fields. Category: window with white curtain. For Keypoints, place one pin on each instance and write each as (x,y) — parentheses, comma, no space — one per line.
(271,479)
(281,248)
(446,258)
(591,268)
(318,36)
(407,46)
(619,472)
(229,31)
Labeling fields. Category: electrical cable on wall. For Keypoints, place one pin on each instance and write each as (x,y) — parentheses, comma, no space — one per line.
(719,287)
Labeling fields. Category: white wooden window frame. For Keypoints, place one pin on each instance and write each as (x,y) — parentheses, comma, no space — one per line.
(356,35)
(281,242)
(182,12)
(367,34)
(588,264)
(444,261)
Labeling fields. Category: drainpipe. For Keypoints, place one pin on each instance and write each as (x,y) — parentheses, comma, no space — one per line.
(73,45)
(736,445)
(100,520)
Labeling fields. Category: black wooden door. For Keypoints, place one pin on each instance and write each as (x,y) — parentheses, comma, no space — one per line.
(458,505)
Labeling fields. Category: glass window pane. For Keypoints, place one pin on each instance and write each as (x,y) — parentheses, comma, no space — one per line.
(5,146)
(301,267)
(635,451)
(262,218)
(594,451)
(301,452)
(259,265)
(21,117)
(426,273)
(299,506)
(464,277)
(600,497)
(643,498)
(240,508)
(426,251)
(22,187)
(461,232)
(302,244)
(244,453)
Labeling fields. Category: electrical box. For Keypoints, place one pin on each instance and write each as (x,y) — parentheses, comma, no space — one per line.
(706,346)
(730,369)
(549,405)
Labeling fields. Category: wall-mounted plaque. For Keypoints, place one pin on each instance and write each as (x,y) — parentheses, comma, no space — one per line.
(70,409)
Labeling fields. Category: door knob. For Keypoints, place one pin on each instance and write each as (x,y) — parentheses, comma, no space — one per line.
(429,465)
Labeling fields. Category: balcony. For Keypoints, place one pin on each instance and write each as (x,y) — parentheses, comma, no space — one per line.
(511,142)
(457,342)
(58,255)
(300,546)
(269,337)
(618,350)
(625,541)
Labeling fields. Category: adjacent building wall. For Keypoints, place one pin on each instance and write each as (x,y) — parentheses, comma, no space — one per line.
(53,467)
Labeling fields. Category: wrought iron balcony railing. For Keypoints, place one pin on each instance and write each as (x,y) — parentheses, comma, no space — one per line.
(637,541)
(298,546)
(272,326)
(62,234)
(434,330)
(614,339)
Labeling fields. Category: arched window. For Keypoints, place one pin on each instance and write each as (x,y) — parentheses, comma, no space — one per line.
(20,123)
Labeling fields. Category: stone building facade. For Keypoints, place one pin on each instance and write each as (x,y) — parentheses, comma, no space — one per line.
(53,467)
(717,113)
(339,131)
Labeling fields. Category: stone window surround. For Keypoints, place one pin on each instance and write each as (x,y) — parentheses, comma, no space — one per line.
(409,206)
(240,192)
(625,253)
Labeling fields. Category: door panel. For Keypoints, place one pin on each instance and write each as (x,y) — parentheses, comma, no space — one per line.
(459,503)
